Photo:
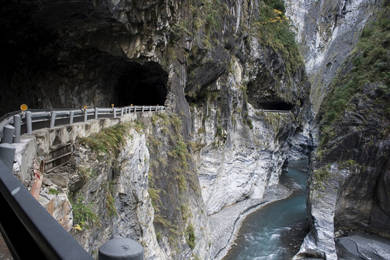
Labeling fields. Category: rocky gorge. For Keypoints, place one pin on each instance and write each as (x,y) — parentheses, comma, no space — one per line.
(349,86)
(247,85)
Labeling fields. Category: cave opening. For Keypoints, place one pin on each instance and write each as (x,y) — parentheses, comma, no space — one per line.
(142,84)
(276,105)
(65,55)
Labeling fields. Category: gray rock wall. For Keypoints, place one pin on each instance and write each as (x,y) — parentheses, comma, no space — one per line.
(327,31)
(343,189)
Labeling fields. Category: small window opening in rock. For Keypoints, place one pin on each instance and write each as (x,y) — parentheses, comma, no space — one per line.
(142,84)
(276,106)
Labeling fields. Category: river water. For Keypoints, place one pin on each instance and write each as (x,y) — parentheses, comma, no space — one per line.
(276,230)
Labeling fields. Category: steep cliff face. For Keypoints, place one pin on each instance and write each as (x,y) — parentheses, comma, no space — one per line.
(327,31)
(348,68)
(138,181)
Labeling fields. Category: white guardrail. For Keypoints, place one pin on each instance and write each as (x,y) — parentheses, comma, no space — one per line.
(13,124)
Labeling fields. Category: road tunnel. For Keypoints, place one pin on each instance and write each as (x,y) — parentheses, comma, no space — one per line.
(142,84)
(65,54)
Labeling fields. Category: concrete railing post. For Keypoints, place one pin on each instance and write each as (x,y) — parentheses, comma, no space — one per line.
(8,134)
(71,116)
(96,113)
(85,115)
(17,125)
(121,249)
(29,122)
(53,119)
(7,154)
(114,112)
(143,108)
(122,111)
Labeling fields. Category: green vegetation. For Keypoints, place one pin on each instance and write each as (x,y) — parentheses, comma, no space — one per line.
(110,201)
(86,173)
(155,197)
(370,62)
(83,214)
(211,15)
(276,4)
(110,204)
(53,191)
(320,176)
(273,30)
(206,16)
(185,212)
(108,140)
(170,180)
(158,237)
(348,164)
(180,150)
(190,236)
(138,126)
(182,183)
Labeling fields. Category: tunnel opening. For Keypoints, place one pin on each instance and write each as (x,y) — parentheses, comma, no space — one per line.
(265,93)
(60,54)
(142,84)
(276,105)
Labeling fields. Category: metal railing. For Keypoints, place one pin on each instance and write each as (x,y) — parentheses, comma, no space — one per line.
(30,232)
(14,124)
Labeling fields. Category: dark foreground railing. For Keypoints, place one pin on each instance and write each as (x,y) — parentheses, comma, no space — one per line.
(30,231)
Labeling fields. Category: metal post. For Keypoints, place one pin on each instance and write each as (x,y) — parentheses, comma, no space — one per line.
(85,115)
(96,112)
(121,249)
(53,119)
(8,134)
(29,122)
(7,155)
(71,117)
(17,125)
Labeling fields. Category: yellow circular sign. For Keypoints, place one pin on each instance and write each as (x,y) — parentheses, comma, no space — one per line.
(23,107)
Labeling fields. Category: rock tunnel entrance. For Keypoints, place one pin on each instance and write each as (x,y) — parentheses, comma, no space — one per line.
(276,105)
(64,54)
(142,84)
